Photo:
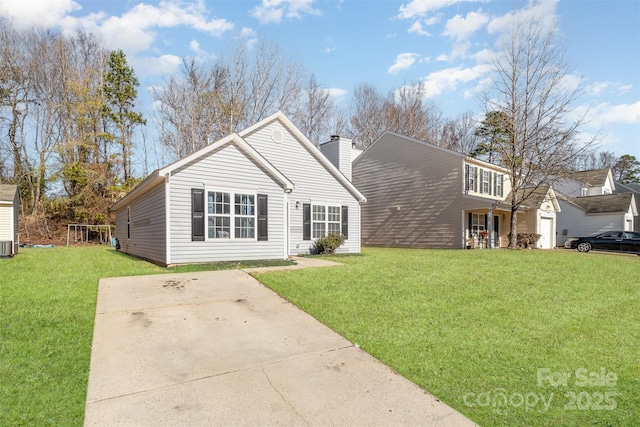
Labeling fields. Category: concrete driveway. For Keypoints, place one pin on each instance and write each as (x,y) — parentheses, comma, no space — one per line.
(219,348)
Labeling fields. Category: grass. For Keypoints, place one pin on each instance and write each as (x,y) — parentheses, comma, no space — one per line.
(479,329)
(47,310)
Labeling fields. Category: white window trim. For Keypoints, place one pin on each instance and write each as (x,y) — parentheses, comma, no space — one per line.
(232,214)
(326,218)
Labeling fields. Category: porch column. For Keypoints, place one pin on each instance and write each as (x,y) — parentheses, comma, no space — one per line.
(490,226)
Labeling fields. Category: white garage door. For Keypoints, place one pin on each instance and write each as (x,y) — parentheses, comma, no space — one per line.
(546,232)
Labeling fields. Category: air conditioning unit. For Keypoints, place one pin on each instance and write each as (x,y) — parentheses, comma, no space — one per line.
(6,248)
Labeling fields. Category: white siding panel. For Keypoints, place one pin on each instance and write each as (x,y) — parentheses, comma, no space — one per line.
(6,227)
(147,227)
(227,168)
(313,184)
(578,224)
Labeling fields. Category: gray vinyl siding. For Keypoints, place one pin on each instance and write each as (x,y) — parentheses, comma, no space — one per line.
(331,150)
(226,169)
(148,237)
(313,184)
(414,194)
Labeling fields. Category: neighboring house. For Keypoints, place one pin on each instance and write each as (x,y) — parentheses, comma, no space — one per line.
(595,182)
(264,193)
(631,187)
(591,215)
(422,195)
(9,210)
(589,206)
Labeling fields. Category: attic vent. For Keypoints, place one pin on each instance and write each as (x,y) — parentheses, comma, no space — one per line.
(276,136)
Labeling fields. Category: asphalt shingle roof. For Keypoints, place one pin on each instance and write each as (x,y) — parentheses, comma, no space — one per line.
(7,192)
(607,203)
(591,177)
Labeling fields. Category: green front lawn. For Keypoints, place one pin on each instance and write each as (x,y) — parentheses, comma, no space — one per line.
(506,337)
(47,309)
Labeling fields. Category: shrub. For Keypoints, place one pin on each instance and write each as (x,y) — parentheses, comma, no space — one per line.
(328,244)
(527,240)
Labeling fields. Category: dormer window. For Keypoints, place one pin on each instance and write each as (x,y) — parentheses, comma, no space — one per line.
(584,191)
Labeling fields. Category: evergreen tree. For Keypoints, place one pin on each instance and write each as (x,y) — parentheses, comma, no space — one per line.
(120,91)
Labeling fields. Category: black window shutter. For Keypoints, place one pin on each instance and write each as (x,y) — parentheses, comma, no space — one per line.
(345,222)
(197,214)
(481,179)
(470,221)
(486,225)
(263,223)
(466,177)
(501,185)
(306,221)
(495,184)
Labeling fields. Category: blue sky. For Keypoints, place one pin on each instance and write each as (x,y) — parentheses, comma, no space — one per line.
(383,43)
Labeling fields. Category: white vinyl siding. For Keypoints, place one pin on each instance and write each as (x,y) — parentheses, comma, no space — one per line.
(6,226)
(313,183)
(140,226)
(234,174)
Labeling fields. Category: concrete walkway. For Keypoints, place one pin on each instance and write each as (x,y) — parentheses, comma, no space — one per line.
(219,348)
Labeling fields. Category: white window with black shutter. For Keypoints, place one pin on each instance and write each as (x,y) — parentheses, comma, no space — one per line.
(318,220)
(471,178)
(219,214)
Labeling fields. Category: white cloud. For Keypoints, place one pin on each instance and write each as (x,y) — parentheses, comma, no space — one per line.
(460,28)
(272,11)
(445,80)
(29,13)
(134,30)
(416,28)
(622,113)
(418,8)
(149,65)
(603,114)
(404,61)
(543,12)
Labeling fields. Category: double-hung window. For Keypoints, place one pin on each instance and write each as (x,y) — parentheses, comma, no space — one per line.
(486,182)
(477,222)
(471,178)
(320,220)
(231,215)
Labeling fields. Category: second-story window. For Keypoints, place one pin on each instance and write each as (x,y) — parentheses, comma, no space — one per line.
(486,182)
(471,178)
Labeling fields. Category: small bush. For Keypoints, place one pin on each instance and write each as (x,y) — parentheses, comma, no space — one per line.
(527,240)
(328,244)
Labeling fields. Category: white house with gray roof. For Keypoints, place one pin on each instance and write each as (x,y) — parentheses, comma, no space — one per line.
(9,211)
(266,192)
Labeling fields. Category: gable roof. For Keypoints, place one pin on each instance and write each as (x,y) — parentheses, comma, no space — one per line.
(593,177)
(8,192)
(158,176)
(537,197)
(433,146)
(310,147)
(606,203)
(237,139)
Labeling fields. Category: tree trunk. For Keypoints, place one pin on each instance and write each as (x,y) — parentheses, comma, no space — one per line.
(513,229)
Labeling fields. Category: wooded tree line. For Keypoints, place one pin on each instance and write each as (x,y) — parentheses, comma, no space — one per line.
(69,124)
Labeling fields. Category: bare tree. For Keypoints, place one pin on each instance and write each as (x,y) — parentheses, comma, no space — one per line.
(530,86)
(368,119)
(190,108)
(314,116)
(459,134)
(259,83)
